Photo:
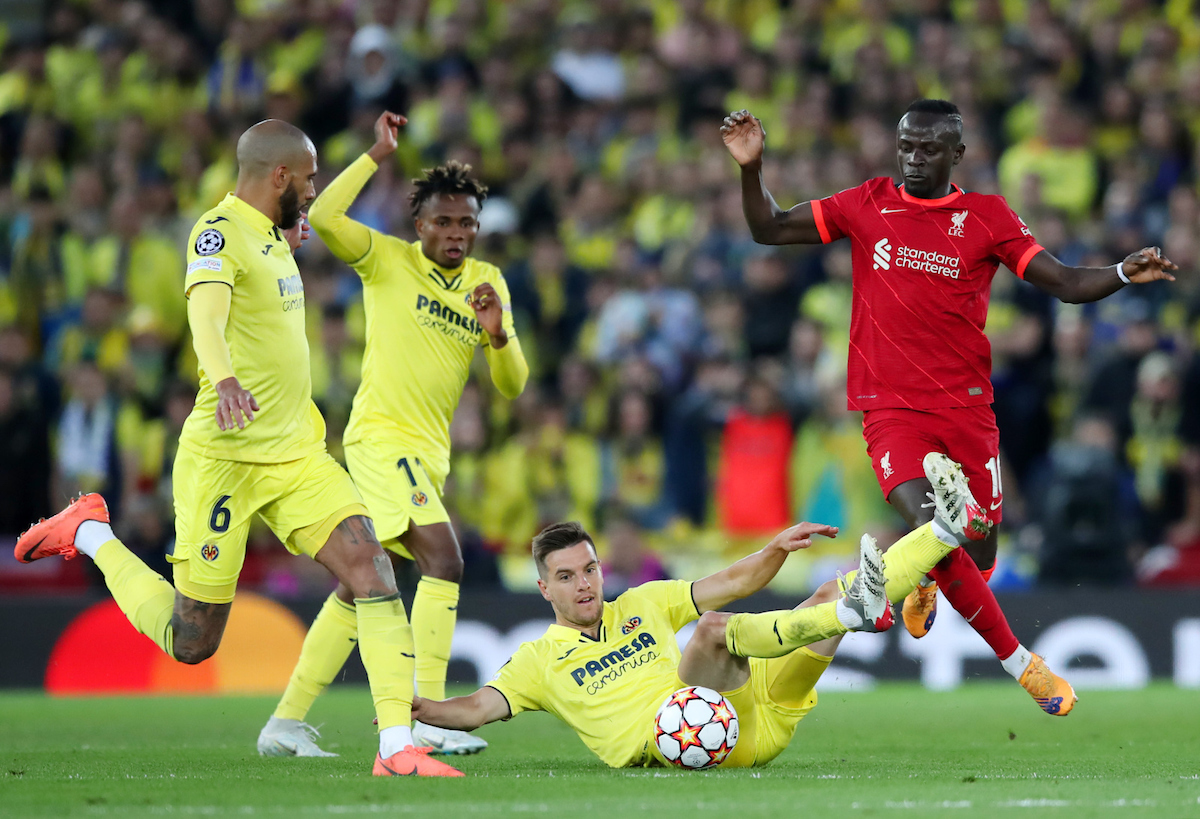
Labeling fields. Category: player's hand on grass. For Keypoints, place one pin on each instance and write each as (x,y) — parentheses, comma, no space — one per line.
(235,406)
(490,313)
(1148,265)
(800,536)
(387,136)
(744,136)
(298,233)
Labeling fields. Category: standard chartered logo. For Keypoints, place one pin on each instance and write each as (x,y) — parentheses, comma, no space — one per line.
(883,254)
(929,261)
(925,261)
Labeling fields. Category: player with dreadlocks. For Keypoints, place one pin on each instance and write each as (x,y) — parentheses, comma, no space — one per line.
(428,307)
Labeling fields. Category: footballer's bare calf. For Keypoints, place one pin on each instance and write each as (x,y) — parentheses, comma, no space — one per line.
(352,554)
(434,548)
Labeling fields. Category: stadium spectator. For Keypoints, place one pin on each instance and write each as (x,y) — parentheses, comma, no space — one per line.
(630,260)
(627,561)
(25,461)
(752,477)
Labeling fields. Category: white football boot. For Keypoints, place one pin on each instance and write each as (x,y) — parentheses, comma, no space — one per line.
(867,594)
(446,740)
(289,737)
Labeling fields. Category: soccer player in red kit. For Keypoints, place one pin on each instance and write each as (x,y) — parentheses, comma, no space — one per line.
(924,253)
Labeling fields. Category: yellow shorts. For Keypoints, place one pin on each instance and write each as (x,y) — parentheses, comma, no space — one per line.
(302,501)
(771,704)
(399,488)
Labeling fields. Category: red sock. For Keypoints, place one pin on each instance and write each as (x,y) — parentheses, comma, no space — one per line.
(987,573)
(959,579)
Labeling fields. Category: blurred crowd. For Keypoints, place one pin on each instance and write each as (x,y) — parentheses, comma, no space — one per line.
(687,390)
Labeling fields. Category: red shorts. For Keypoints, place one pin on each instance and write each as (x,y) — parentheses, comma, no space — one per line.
(898,440)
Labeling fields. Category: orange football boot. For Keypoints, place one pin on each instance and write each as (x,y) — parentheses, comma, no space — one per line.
(1054,694)
(412,761)
(920,610)
(56,535)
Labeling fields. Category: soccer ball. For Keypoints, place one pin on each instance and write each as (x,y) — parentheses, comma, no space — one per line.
(696,728)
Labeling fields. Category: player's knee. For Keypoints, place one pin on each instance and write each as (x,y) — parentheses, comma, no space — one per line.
(827,592)
(448,566)
(711,627)
(191,653)
(982,554)
(371,573)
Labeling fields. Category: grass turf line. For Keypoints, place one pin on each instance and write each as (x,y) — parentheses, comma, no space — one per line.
(983,750)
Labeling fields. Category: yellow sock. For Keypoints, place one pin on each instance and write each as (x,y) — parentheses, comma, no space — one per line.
(776,633)
(145,596)
(326,647)
(434,611)
(909,559)
(386,645)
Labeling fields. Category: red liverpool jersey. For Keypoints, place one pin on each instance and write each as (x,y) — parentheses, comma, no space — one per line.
(923,271)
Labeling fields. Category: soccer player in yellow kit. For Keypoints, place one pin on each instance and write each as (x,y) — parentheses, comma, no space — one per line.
(255,443)
(428,306)
(605,668)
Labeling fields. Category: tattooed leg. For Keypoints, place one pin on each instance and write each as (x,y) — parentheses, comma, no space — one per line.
(355,558)
(197,628)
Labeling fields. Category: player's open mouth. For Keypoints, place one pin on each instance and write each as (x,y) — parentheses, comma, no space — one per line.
(584,601)
(454,253)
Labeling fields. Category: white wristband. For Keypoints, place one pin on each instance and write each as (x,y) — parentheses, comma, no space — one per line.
(1120,266)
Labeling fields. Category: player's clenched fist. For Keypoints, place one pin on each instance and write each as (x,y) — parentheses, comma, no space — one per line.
(387,135)
(234,405)
(490,313)
(1148,265)
(744,136)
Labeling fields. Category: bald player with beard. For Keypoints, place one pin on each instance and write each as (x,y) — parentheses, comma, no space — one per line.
(255,444)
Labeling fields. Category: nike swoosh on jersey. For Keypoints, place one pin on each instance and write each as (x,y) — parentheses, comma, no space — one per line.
(893,210)
(996,505)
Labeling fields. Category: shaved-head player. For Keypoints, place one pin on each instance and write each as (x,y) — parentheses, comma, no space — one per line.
(254,444)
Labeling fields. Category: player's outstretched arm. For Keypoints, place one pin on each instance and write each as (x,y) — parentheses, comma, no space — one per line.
(462,713)
(769,224)
(208,314)
(1078,285)
(347,239)
(752,573)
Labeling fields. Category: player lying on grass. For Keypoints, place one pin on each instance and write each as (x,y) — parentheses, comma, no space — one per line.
(604,668)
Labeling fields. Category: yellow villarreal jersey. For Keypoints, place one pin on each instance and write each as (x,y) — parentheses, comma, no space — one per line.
(237,245)
(421,336)
(607,690)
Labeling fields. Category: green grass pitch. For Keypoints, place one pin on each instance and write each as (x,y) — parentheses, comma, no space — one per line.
(983,750)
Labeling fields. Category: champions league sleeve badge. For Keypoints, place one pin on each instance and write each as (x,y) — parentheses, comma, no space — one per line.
(209,242)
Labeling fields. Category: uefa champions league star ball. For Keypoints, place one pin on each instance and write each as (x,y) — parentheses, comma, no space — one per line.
(696,728)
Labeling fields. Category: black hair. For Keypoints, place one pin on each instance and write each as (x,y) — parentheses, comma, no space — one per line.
(558,536)
(943,108)
(450,179)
